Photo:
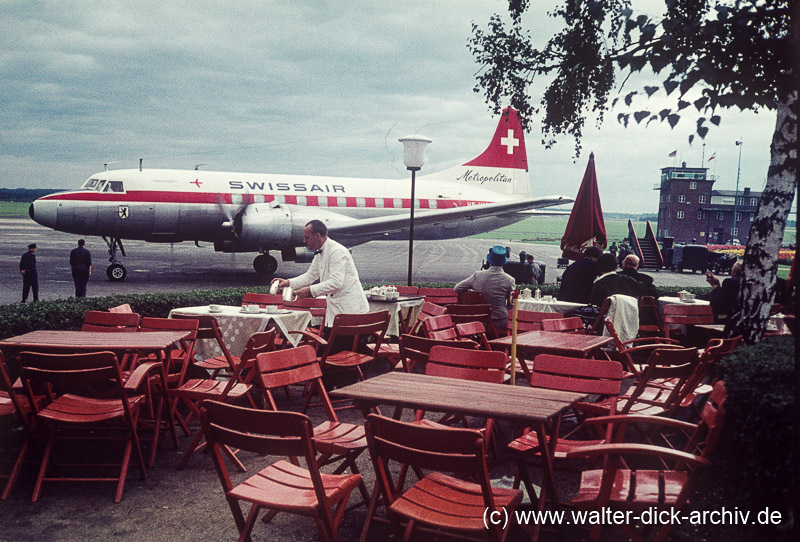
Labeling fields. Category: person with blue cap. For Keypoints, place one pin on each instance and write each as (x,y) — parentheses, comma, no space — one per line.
(496,286)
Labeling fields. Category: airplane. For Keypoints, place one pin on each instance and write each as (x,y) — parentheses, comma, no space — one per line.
(254,212)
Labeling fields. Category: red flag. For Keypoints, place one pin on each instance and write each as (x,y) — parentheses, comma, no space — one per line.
(712,157)
(673,154)
(585,227)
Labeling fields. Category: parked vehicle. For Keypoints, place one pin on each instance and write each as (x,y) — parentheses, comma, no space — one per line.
(694,257)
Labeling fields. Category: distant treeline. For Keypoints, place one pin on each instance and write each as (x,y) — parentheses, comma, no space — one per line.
(24,194)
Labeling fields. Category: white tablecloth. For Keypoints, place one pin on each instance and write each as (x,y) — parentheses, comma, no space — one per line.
(553,305)
(398,311)
(237,326)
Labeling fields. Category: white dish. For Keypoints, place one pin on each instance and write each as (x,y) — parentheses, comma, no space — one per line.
(279,311)
(377,297)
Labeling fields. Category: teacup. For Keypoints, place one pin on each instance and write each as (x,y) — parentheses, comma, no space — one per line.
(215,308)
(271,309)
(252,308)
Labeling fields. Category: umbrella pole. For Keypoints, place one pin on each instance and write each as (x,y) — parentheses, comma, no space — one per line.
(515,306)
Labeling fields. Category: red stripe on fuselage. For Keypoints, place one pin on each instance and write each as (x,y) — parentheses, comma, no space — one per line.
(151,196)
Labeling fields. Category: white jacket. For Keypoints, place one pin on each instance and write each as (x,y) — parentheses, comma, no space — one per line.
(338,281)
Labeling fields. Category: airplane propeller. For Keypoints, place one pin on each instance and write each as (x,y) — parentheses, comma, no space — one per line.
(233,214)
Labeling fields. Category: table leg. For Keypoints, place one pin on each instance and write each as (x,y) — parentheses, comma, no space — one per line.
(548,449)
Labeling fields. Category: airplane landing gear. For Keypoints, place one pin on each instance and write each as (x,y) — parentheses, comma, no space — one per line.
(265,264)
(116,271)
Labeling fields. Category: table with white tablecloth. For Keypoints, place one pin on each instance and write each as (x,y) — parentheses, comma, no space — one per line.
(548,305)
(398,311)
(669,300)
(236,326)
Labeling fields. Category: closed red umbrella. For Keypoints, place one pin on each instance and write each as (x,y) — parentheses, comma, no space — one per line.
(585,227)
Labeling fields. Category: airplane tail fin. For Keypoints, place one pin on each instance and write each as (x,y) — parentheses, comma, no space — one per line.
(503,166)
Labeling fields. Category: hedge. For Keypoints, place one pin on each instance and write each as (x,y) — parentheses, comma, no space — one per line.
(67,313)
(756,449)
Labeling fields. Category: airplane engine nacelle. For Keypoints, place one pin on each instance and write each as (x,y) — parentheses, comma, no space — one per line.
(276,225)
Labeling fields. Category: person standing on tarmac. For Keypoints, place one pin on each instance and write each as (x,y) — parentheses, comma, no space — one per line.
(80,261)
(30,277)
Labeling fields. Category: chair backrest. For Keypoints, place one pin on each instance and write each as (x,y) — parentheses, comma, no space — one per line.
(262,300)
(415,350)
(477,365)
(664,363)
(439,296)
(316,306)
(186,346)
(601,377)
(299,365)
(686,313)
(461,452)
(14,402)
(474,331)
(650,317)
(426,311)
(72,373)
(358,327)
(209,329)
(471,297)
(125,307)
(565,325)
(440,328)
(531,320)
(407,290)
(712,417)
(110,321)
(477,312)
(259,431)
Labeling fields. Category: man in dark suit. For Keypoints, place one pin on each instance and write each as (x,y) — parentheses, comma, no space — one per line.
(578,278)
(630,266)
(30,277)
(611,282)
(725,296)
(80,261)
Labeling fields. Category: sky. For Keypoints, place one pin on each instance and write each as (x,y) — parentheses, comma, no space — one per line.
(316,88)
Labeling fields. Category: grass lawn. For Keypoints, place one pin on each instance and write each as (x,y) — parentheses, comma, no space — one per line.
(14,209)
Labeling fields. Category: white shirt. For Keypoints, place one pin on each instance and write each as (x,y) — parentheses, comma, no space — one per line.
(338,280)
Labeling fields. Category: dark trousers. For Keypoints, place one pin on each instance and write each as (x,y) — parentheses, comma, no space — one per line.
(30,282)
(81,278)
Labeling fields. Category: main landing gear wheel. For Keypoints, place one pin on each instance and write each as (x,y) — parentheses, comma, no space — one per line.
(116,272)
(265,264)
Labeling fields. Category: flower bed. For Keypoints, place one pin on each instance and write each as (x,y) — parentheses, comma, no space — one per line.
(738,250)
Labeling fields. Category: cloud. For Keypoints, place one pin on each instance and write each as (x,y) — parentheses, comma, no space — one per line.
(321,88)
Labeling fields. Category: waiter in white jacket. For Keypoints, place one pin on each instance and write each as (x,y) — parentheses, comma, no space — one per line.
(333,266)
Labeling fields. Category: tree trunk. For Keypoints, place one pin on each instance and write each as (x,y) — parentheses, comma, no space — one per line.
(760,264)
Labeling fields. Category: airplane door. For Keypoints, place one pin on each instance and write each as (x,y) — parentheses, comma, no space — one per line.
(165,218)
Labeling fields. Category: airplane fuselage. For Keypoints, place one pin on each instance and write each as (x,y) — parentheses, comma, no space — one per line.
(185,205)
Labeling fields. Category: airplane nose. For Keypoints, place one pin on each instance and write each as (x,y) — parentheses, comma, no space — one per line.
(43,212)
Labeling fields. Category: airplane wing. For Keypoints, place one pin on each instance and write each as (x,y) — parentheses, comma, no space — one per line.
(380,225)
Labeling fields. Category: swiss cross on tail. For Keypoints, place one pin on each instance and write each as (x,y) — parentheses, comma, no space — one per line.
(507,149)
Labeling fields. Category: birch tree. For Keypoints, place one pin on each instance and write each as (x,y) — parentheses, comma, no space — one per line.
(706,54)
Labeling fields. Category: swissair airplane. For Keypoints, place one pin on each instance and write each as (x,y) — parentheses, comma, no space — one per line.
(254,212)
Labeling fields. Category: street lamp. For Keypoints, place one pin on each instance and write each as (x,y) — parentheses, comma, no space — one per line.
(736,198)
(414,159)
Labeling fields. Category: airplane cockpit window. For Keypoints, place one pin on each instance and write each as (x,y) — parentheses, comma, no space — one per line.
(91,184)
(114,186)
(100,185)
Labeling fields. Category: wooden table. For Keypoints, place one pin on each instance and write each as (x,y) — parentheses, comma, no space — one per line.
(533,406)
(532,343)
(84,341)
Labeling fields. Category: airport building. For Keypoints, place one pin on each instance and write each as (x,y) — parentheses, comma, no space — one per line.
(690,209)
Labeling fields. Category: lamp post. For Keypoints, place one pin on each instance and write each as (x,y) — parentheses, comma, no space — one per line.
(736,198)
(414,159)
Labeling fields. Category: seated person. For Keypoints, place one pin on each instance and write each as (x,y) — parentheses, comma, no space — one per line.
(725,296)
(630,266)
(578,278)
(496,286)
(610,282)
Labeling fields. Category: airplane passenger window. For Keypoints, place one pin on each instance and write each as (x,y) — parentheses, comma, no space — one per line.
(398,203)
(341,201)
(114,186)
(379,202)
(432,204)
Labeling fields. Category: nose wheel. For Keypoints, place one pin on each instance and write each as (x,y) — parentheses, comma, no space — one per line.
(116,272)
(264,264)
